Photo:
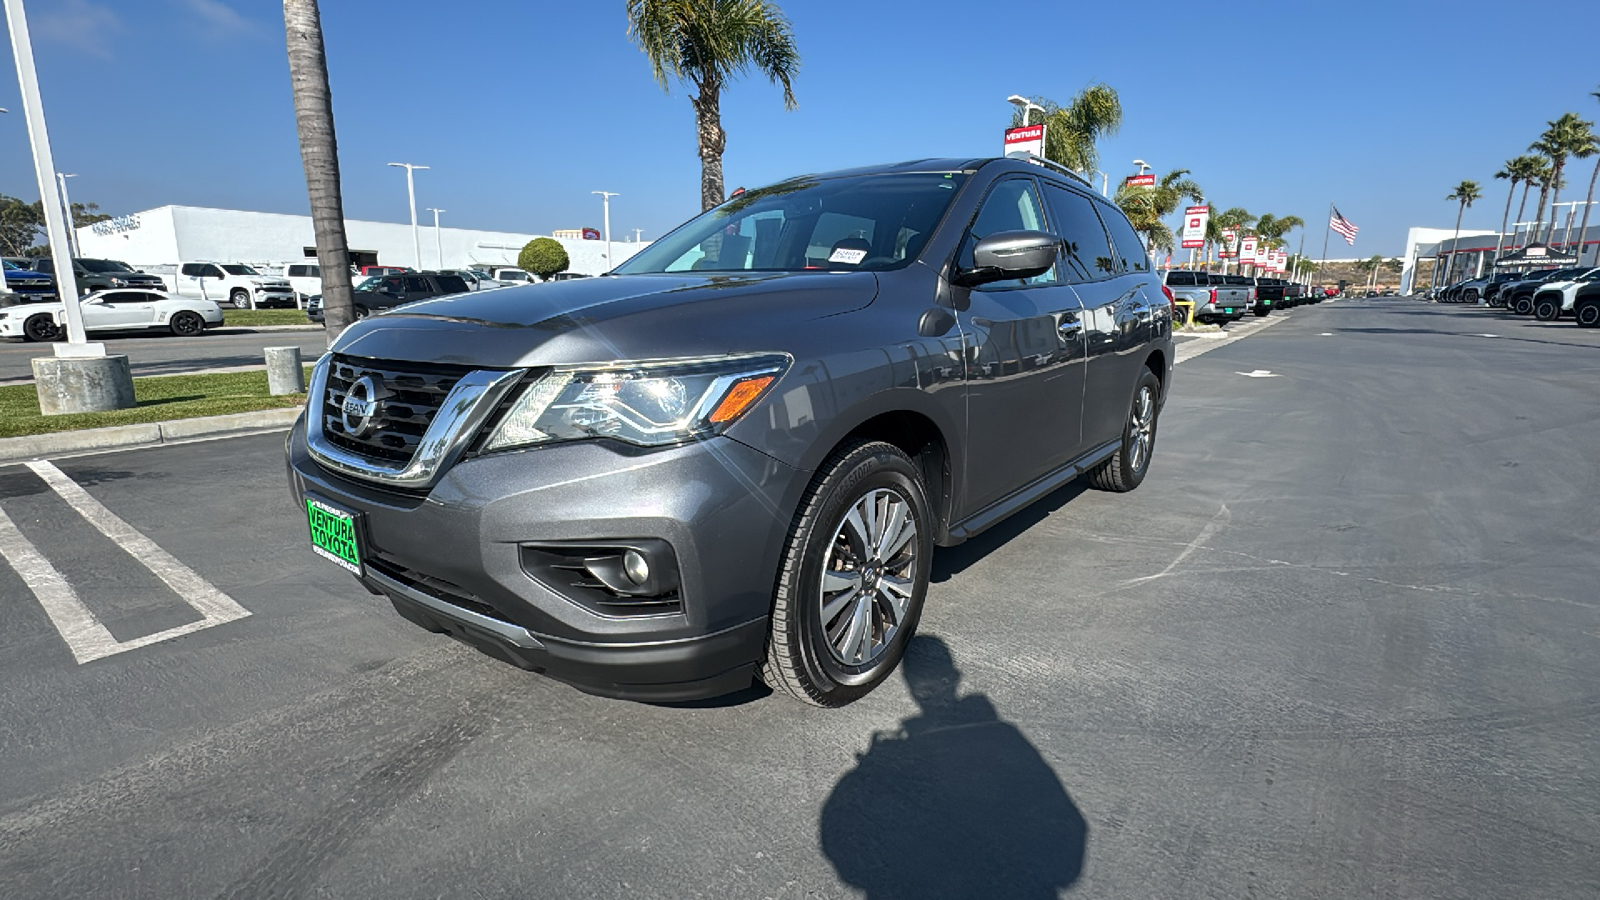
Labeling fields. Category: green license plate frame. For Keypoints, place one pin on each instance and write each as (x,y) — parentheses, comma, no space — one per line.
(335,535)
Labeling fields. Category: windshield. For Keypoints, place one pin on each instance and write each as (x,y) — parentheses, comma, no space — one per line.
(236,269)
(103,265)
(865,222)
(370,284)
(10,265)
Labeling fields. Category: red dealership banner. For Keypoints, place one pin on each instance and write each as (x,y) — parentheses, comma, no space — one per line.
(1027,139)
(1194,226)
(1142,180)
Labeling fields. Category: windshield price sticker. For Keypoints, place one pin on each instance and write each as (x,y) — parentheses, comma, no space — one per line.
(847,256)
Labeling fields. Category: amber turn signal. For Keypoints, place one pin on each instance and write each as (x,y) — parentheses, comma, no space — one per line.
(743,394)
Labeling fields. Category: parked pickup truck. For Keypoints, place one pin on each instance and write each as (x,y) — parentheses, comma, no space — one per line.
(27,285)
(237,283)
(1214,299)
(101,275)
(1270,295)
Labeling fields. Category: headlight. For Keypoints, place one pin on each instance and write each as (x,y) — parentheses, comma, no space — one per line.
(119,282)
(650,404)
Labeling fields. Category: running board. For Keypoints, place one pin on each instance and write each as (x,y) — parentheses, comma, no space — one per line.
(996,512)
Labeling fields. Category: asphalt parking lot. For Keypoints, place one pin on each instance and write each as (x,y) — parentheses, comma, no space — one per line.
(167,355)
(1342,642)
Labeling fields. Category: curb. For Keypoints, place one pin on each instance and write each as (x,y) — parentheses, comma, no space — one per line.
(36,446)
(252,329)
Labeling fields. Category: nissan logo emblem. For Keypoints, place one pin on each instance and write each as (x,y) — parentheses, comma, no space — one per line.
(359,412)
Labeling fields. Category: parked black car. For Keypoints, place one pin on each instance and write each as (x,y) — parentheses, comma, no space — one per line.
(103,275)
(1517,296)
(381,292)
(737,453)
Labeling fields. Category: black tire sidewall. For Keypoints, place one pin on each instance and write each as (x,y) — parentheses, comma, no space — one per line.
(876,467)
(198,326)
(28,327)
(1591,309)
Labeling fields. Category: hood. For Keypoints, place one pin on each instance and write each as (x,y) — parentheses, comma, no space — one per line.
(608,318)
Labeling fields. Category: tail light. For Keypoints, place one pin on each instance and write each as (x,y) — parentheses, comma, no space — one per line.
(1171,300)
(1213,295)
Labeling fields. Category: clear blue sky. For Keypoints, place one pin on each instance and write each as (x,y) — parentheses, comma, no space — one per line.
(522,108)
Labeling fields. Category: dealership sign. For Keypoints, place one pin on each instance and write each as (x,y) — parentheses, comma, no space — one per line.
(1247,249)
(1029,139)
(117,225)
(1142,180)
(591,234)
(1194,226)
(1230,240)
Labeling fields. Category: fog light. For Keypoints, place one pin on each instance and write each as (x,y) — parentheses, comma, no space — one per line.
(637,569)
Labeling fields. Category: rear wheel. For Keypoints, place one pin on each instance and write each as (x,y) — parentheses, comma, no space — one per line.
(1588,314)
(1522,306)
(1126,467)
(186,324)
(1547,310)
(41,327)
(1263,310)
(852,578)
(1469,297)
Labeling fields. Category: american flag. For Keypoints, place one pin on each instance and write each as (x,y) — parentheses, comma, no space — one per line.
(1343,226)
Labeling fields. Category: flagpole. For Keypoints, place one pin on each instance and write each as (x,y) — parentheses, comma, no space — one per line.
(1325,233)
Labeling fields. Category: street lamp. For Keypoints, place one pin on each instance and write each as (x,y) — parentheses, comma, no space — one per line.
(1142,165)
(1024,104)
(66,206)
(1105,183)
(605,198)
(411,194)
(438,242)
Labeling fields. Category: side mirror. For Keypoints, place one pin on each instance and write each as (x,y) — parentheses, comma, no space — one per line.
(1010,254)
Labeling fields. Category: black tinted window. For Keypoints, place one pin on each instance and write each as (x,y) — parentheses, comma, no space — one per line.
(190,269)
(47,266)
(1124,240)
(416,285)
(1085,249)
(1182,279)
(451,284)
(1013,205)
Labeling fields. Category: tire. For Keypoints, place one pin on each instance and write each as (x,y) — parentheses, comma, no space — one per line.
(1261,311)
(1547,310)
(825,648)
(41,327)
(240,298)
(1469,297)
(186,324)
(362,312)
(1127,467)
(1522,306)
(1588,314)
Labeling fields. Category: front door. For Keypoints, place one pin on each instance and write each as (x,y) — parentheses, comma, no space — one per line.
(116,310)
(1024,355)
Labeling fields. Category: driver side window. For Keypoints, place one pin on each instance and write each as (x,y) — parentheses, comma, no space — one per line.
(1013,205)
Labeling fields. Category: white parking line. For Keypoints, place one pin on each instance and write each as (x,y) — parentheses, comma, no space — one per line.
(85,635)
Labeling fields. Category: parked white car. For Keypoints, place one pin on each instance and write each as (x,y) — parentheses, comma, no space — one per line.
(113,311)
(513,276)
(1555,299)
(239,284)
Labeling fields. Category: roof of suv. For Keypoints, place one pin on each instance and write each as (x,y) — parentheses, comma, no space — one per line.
(954,164)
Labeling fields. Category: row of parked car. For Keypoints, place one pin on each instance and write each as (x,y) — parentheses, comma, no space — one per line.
(1228,298)
(1546,294)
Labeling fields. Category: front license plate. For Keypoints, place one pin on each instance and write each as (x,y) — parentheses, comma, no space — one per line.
(333,535)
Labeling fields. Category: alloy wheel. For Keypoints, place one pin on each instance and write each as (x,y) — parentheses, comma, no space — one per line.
(868,577)
(1143,427)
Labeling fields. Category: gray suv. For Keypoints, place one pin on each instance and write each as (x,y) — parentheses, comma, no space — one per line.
(735,456)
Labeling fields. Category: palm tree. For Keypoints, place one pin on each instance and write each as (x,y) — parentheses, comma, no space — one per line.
(1589,200)
(1465,193)
(319,155)
(1147,205)
(1563,138)
(1073,131)
(708,43)
(1535,170)
(1372,264)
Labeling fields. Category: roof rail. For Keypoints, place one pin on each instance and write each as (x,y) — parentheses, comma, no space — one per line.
(1048,164)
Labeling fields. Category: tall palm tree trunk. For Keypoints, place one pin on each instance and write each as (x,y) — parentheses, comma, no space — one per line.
(1555,195)
(1584,228)
(713,140)
(319,154)
(1506,217)
(1451,262)
(1538,216)
(1522,207)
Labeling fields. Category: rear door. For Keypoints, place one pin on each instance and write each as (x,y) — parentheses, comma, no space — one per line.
(1119,322)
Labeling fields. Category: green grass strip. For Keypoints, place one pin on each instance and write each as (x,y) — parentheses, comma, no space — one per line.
(160,399)
(246,318)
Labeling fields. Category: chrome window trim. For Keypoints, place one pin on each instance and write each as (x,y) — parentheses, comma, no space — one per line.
(461,414)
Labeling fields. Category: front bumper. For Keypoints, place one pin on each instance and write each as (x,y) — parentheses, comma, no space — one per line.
(453,560)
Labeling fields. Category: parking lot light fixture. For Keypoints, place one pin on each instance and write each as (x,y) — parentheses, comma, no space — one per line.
(1024,104)
(1142,165)
(411,195)
(438,242)
(605,197)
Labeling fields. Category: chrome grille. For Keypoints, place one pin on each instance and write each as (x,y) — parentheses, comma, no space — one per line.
(415,391)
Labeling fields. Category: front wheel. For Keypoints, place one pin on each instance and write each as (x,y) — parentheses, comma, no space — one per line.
(1126,468)
(1547,310)
(852,578)
(186,324)
(40,327)
(1588,314)
(1522,306)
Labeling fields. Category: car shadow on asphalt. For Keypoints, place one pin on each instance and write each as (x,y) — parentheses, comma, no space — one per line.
(954,803)
(949,562)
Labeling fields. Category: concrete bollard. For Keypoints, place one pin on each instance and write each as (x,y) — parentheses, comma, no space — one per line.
(285,374)
(74,384)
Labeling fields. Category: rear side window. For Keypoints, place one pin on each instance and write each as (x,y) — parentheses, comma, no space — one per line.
(1085,249)
(190,269)
(416,285)
(451,284)
(1124,241)
(1181,279)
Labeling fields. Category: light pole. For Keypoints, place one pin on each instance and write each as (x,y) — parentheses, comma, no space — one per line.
(638,235)
(411,194)
(66,207)
(605,198)
(1142,165)
(438,242)
(1024,104)
(1105,183)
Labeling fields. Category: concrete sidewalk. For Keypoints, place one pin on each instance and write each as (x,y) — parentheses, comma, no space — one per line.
(65,443)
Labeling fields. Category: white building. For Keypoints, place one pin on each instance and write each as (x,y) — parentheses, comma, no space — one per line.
(172,234)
